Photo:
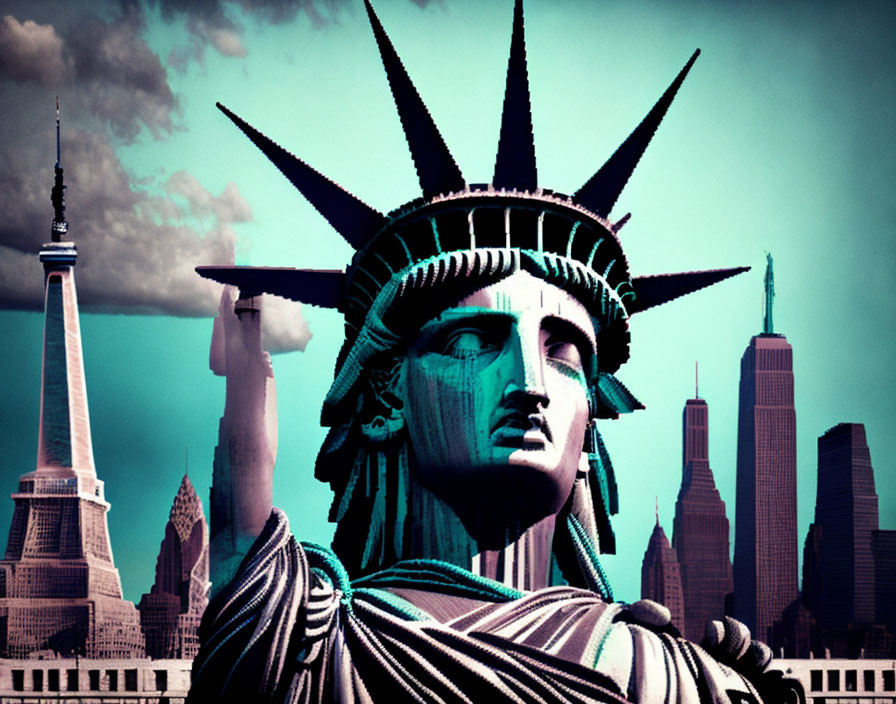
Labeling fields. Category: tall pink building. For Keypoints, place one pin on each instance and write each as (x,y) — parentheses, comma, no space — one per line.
(701,530)
(171,611)
(59,588)
(765,541)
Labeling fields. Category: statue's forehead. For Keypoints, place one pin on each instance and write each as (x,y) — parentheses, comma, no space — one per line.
(526,298)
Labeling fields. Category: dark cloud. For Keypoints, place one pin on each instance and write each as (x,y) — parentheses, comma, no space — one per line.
(124,81)
(137,248)
(30,52)
(110,75)
(217,23)
(283,327)
(226,41)
(139,238)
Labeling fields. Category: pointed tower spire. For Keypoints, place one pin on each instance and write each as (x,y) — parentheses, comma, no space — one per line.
(436,168)
(515,163)
(600,192)
(350,216)
(171,611)
(60,577)
(58,141)
(696,379)
(768,324)
(59,229)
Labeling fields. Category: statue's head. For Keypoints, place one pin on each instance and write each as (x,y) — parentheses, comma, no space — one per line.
(484,326)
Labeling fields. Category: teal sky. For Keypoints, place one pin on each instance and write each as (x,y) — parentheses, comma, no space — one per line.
(781,140)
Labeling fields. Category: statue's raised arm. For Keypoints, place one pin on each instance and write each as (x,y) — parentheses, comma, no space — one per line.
(241,496)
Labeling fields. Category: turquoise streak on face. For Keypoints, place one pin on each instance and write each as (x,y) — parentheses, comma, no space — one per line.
(495,398)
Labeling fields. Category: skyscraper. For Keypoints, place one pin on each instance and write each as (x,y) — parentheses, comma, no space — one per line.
(59,588)
(765,541)
(700,535)
(171,612)
(839,579)
(661,576)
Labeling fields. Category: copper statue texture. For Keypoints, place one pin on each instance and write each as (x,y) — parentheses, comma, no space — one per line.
(473,493)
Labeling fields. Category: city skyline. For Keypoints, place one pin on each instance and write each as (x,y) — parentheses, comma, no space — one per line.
(148,381)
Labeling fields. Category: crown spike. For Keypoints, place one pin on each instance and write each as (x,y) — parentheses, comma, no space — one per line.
(350,216)
(652,291)
(515,163)
(436,169)
(317,287)
(601,191)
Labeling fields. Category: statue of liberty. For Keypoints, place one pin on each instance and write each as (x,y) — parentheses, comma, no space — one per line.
(484,326)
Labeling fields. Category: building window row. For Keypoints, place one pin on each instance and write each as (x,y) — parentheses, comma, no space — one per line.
(50,680)
(848,680)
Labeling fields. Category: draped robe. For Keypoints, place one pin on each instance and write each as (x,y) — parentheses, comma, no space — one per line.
(291,627)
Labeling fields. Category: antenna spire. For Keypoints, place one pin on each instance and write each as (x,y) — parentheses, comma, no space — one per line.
(657,499)
(768,326)
(187,460)
(59,228)
(696,379)
(58,141)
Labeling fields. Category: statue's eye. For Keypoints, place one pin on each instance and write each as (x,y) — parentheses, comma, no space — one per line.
(466,342)
(565,352)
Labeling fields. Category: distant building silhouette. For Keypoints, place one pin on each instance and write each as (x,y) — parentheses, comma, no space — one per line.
(701,531)
(851,605)
(883,545)
(171,612)
(765,540)
(661,576)
(59,588)
(838,582)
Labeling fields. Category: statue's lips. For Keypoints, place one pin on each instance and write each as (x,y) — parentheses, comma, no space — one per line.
(529,431)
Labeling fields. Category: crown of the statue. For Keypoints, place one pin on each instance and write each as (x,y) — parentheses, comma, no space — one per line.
(456,224)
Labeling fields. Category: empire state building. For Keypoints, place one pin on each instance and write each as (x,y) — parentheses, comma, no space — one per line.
(765,545)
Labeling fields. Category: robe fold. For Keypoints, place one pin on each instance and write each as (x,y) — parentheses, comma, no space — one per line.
(292,628)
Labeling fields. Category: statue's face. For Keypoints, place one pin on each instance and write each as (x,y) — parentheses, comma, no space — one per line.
(495,398)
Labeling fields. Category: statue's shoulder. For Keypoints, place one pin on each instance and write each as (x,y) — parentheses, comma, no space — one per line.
(246,628)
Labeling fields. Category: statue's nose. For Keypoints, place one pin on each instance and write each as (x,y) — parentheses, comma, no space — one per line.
(525,368)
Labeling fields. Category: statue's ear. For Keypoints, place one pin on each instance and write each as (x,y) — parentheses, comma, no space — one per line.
(382,411)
